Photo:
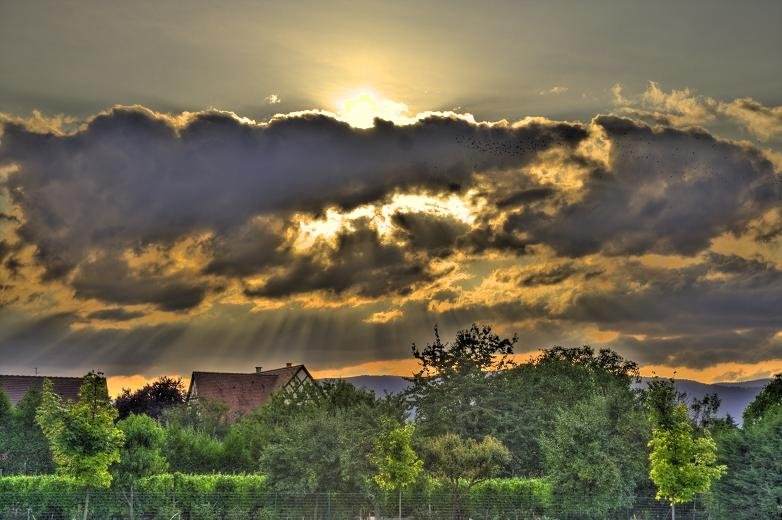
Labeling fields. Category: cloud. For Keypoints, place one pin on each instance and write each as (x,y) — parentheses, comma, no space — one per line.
(665,191)
(684,108)
(762,121)
(360,263)
(272,99)
(214,237)
(384,316)
(114,314)
(110,279)
(132,176)
(555,91)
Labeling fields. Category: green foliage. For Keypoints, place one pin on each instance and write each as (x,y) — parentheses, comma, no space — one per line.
(161,496)
(316,442)
(496,498)
(455,389)
(244,497)
(318,450)
(704,411)
(457,459)
(153,399)
(206,496)
(397,464)
(207,416)
(82,436)
(752,488)
(531,396)
(192,451)
(661,400)
(464,462)
(141,454)
(768,398)
(47,496)
(5,409)
(25,449)
(682,464)
(594,465)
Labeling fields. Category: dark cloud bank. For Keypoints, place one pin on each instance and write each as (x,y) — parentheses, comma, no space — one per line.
(131,179)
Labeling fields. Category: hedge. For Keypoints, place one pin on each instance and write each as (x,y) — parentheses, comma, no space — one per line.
(234,497)
(193,497)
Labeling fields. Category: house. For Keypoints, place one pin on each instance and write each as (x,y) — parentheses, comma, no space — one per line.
(15,387)
(243,393)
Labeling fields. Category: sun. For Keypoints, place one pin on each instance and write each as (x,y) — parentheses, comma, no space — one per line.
(361,108)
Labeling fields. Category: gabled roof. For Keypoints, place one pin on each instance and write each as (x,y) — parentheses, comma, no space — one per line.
(242,393)
(16,386)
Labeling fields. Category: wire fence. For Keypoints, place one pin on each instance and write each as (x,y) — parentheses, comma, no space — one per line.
(114,505)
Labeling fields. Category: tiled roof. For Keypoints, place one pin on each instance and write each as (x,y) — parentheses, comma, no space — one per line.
(241,392)
(16,386)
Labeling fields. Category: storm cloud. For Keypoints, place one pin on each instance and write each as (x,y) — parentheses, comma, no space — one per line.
(138,216)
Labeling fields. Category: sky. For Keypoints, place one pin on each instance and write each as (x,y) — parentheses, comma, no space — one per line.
(222,185)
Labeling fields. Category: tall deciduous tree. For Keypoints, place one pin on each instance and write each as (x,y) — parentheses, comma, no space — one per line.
(752,487)
(769,397)
(23,446)
(594,459)
(140,456)
(456,387)
(397,464)
(532,395)
(682,464)
(152,399)
(82,436)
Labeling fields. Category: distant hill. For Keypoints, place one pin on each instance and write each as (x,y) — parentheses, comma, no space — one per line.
(735,396)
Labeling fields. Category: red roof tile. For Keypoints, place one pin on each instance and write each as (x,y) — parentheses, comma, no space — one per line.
(241,392)
(16,386)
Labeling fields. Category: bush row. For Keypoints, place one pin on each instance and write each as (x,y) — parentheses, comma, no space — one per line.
(162,496)
(229,497)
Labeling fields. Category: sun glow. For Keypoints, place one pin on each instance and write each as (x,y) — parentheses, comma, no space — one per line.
(361,109)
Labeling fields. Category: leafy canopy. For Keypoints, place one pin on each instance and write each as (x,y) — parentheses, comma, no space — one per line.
(152,399)
(768,398)
(682,464)
(458,459)
(82,436)
(396,461)
(593,457)
(141,454)
(456,388)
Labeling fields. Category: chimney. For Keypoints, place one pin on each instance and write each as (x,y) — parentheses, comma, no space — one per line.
(288,365)
(258,370)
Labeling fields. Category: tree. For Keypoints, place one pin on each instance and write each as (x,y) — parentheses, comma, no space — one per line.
(531,395)
(140,455)
(704,411)
(594,460)
(769,397)
(397,464)
(661,400)
(152,399)
(753,486)
(82,436)
(456,387)
(464,462)
(23,446)
(208,416)
(250,435)
(318,442)
(682,464)
(192,451)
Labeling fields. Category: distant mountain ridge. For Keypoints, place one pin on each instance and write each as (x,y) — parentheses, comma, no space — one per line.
(734,396)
